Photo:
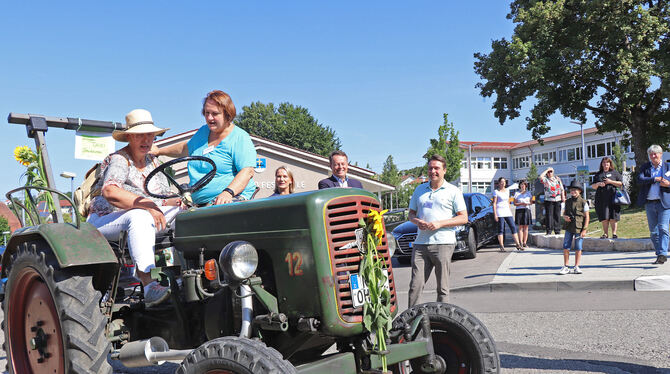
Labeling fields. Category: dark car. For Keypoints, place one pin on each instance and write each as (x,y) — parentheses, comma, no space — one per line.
(480,229)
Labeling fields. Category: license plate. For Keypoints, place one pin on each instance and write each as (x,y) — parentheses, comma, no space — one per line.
(360,292)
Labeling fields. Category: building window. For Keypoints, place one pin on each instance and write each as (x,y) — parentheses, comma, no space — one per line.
(500,162)
(521,162)
(600,150)
(544,158)
(480,162)
(464,163)
(481,187)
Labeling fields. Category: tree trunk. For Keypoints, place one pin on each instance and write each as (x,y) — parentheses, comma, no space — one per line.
(639,138)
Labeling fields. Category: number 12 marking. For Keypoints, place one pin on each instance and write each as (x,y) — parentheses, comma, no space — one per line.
(294,260)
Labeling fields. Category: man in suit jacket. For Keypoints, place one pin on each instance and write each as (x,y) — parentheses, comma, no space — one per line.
(339,164)
(654,181)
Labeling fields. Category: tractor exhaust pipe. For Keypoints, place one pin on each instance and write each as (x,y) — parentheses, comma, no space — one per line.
(153,351)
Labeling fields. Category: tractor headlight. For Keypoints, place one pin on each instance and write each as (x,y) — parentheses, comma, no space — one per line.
(239,260)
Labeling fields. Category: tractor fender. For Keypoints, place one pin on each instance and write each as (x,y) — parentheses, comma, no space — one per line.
(72,246)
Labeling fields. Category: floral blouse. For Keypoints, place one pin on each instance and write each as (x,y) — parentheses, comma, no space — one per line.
(118,169)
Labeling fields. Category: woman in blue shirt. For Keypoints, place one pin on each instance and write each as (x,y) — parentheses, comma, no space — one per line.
(227,145)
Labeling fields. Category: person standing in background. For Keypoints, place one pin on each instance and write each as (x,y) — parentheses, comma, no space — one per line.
(522,215)
(606,181)
(554,195)
(654,180)
(339,165)
(436,207)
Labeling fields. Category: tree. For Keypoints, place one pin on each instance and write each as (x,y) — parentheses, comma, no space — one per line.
(288,124)
(4,227)
(618,158)
(390,174)
(607,57)
(532,175)
(447,145)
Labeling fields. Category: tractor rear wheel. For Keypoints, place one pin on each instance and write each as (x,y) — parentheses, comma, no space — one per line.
(459,339)
(52,320)
(233,355)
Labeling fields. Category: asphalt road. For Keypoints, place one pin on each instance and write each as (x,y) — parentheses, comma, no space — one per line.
(547,333)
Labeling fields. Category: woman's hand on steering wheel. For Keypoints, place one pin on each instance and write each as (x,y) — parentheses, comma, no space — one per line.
(183,189)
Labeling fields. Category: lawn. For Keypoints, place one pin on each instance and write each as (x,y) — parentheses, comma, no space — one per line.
(633,224)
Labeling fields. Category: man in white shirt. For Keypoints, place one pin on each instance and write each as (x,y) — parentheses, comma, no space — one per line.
(436,207)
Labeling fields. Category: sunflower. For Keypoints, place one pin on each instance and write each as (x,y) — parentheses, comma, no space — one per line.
(24,155)
(376,223)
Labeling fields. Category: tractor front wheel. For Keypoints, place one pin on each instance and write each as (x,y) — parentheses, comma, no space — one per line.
(233,355)
(460,340)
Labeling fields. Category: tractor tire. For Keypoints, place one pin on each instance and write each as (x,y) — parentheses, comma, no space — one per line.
(52,319)
(472,244)
(235,355)
(459,338)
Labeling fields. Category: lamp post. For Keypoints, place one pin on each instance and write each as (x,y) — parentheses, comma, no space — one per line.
(581,131)
(71,176)
(470,165)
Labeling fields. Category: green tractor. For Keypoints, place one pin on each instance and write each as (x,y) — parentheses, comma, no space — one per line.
(263,286)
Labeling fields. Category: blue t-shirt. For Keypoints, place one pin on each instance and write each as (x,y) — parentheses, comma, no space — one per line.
(235,152)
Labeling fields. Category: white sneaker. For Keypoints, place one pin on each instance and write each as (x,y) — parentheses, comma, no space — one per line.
(576,270)
(155,294)
(564,270)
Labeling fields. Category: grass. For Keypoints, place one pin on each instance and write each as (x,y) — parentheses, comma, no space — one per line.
(633,224)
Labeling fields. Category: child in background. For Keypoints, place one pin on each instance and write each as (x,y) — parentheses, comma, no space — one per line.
(576,216)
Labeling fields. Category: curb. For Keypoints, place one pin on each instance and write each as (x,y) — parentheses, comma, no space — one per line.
(543,240)
(552,286)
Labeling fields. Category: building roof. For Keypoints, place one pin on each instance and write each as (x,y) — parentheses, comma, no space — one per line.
(488,145)
(512,145)
(14,222)
(590,130)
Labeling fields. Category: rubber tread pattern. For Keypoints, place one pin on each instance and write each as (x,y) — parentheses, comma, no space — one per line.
(82,323)
(252,354)
(489,360)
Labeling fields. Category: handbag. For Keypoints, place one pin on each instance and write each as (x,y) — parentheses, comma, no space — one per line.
(621,197)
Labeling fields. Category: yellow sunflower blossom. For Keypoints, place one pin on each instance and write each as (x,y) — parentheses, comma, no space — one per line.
(24,155)
(376,223)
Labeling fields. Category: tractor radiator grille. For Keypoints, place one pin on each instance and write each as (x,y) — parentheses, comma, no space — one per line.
(342,217)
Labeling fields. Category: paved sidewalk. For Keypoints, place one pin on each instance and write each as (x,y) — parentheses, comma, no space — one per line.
(537,269)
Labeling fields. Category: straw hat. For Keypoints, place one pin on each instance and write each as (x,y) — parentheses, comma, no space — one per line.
(138,121)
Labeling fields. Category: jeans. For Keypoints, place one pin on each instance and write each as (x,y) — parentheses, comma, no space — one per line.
(552,210)
(141,232)
(424,258)
(567,241)
(658,218)
(510,224)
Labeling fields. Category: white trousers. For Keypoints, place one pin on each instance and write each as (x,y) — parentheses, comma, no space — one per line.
(141,232)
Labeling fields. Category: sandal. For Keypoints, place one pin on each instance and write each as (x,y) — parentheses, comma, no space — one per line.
(604,236)
(502,249)
(614,236)
(519,247)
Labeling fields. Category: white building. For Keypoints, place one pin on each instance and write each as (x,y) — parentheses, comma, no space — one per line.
(492,160)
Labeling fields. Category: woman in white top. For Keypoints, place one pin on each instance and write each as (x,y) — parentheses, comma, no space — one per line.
(503,213)
(522,215)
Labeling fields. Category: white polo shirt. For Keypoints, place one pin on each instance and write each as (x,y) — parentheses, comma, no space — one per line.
(443,203)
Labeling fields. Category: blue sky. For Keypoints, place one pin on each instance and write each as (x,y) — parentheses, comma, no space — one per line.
(379,73)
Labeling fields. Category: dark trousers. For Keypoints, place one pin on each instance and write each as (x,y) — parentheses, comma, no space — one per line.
(552,211)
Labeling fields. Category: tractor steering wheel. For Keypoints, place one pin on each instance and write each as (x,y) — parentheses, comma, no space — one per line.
(183,188)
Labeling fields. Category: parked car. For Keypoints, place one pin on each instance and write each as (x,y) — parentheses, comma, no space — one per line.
(480,229)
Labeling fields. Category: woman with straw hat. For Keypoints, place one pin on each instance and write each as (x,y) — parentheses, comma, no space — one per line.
(125,205)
